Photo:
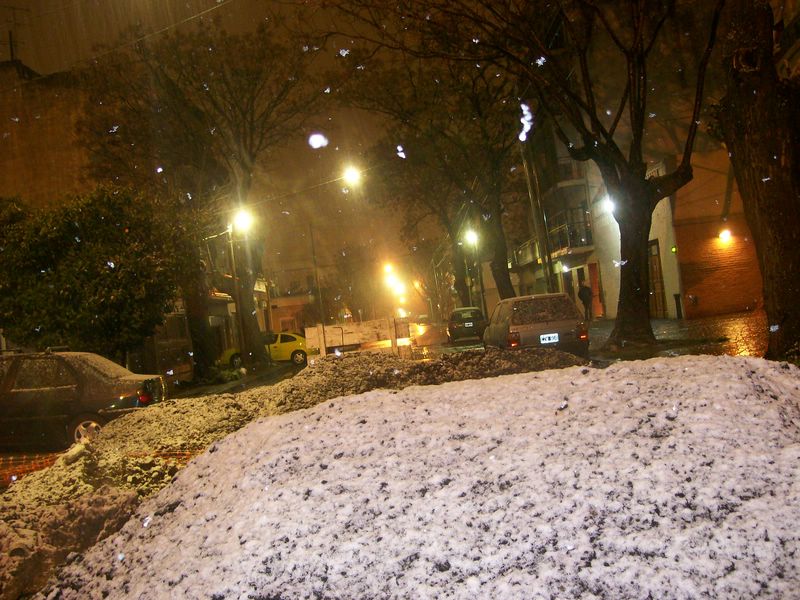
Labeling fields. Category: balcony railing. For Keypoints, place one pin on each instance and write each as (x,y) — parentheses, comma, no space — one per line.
(574,234)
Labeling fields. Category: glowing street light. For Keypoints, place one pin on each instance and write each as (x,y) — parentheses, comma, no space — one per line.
(351,176)
(242,221)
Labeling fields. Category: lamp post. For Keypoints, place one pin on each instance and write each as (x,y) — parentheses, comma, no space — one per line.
(242,222)
(472,240)
(352,177)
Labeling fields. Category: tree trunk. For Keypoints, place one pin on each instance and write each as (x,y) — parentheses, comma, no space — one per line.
(253,344)
(195,297)
(761,128)
(460,275)
(499,263)
(632,325)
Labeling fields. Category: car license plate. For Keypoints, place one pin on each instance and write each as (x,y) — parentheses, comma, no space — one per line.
(468,324)
(548,338)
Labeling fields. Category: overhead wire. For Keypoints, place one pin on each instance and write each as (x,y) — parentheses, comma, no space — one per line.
(86,61)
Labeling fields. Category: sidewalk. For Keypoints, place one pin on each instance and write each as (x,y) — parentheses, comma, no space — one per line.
(739,334)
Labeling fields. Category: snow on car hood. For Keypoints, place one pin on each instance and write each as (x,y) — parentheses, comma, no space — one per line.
(667,478)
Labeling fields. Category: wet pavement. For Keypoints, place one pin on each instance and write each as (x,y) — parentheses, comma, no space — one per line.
(739,334)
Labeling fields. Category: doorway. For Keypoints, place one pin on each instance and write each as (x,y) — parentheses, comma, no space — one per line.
(658,303)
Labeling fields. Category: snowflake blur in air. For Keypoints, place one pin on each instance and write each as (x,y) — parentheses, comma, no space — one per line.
(110,264)
(343,52)
(114,129)
(159,169)
(541,60)
(317,140)
(400,151)
(527,122)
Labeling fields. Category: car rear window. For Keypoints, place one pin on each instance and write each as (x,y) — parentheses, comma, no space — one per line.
(546,308)
(88,363)
(465,315)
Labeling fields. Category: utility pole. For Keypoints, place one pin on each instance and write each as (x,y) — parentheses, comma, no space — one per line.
(14,23)
(319,288)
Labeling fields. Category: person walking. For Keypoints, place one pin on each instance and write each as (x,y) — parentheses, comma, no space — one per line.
(585,294)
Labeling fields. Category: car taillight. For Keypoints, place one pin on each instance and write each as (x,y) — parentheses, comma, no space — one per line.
(513,339)
(582,332)
(145,397)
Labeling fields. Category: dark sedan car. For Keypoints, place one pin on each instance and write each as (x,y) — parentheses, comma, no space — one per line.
(52,399)
(466,322)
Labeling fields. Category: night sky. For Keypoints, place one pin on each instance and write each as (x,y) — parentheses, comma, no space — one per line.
(57,35)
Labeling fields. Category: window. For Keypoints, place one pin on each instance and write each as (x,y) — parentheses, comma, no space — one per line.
(553,308)
(40,373)
(286,338)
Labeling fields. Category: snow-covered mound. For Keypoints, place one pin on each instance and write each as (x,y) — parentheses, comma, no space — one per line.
(668,478)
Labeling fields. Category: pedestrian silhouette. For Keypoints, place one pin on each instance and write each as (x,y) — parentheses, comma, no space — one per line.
(585,294)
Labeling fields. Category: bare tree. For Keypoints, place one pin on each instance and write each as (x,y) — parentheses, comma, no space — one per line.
(552,48)
(455,122)
(236,98)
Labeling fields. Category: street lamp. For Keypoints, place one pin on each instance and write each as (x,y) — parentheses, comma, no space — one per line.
(241,222)
(472,239)
(351,176)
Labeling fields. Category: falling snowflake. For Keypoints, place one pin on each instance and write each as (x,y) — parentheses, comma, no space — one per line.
(343,52)
(620,263)
(401,152)
(317,140)
(541,60)
(527,122)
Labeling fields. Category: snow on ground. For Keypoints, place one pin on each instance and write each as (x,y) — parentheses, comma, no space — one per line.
(92,490)
(667,478)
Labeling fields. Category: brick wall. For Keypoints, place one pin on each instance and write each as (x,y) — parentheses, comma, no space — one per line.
(718,277)
(40,159)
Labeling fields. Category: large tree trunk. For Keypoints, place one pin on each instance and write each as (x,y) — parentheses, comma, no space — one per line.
(761,127)
(204,346)
(499,263)
(632,325)
(253,343)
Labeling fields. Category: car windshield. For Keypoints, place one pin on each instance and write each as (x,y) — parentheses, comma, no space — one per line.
(545,308)
(466,315)
(96,364)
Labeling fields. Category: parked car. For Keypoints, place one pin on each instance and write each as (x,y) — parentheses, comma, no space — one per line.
(281,346)
(466,322)
(53,399)
(544,320)
(289,346)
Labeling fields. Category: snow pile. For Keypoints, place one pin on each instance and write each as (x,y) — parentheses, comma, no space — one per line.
(668,478)
(140,453)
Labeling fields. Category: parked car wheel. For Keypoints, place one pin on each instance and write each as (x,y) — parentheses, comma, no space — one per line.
(299,357)
(236,361)
(84,428)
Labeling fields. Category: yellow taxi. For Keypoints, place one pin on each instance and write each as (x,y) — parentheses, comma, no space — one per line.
(289,346)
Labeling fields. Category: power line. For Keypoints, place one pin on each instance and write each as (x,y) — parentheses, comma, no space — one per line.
(128,44)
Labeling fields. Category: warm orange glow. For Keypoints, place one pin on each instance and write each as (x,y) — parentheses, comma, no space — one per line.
(725,236)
